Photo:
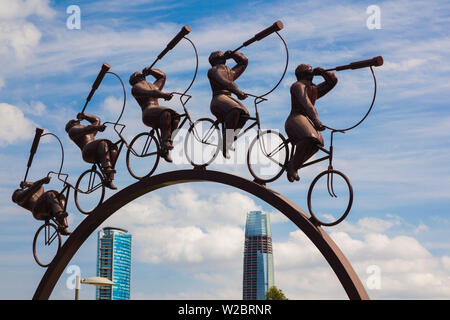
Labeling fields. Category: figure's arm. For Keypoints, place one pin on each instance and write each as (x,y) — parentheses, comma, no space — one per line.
(158,75)
(94,120)
(139,91)
(215,75)
(242,63)
(329,83)
(30,189)
(298,91)
(76,133)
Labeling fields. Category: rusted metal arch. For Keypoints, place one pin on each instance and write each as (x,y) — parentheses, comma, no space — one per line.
(336,259)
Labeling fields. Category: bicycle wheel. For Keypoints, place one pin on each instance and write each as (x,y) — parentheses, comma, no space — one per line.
(46,244)
(203,142)
(143,155)
(89,191)
(331,187)
(267,156)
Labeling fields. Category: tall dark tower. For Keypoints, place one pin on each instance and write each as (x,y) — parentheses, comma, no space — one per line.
(258,257)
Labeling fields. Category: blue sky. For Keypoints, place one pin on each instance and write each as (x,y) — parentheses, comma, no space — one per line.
(183,248)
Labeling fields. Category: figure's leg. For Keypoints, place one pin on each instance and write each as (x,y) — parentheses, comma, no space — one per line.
(57,211)
(305,149)
(104,155)
(167,123)
(231,121)
(175,122)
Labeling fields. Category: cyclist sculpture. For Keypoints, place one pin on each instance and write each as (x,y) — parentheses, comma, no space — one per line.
(94,151)
(153,115)
(221,78)
(303,125)
(44,205)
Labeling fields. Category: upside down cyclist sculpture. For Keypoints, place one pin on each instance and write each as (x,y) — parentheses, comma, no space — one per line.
(44,205)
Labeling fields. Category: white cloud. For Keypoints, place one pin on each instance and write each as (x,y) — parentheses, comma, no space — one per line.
(113,105)
(204,237)
(14,126)
(406,65)
(36,108)
(182,228)
(22,38)
(18,34)
(16,9)
(408,270)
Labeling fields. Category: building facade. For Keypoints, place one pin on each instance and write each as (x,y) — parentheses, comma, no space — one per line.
(258,256)
(114,263)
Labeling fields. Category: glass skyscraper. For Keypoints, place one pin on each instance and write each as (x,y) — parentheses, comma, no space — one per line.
(114,263)
(258,256)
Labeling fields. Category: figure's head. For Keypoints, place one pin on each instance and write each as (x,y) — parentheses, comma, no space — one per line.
(304,72)
(16,194)
(136,77)
(217,57)
(71,123)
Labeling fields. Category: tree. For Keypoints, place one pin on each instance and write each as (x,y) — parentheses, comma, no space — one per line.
(275,294)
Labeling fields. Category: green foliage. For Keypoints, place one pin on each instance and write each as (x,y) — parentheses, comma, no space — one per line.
(275,294)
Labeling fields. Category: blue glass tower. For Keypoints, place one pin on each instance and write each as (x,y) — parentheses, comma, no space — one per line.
(258,256)
(114,263)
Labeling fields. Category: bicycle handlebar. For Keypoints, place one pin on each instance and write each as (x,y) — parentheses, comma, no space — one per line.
(114,123)
(255,96)
(181,94)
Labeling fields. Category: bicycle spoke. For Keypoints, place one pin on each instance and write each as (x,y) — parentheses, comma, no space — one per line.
(146,146)
(269,156)
(209,133)
(46,234)
(52,238)
(276,150)
(90,178)
(99,185)
(90,186)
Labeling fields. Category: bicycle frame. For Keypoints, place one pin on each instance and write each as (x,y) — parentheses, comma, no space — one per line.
(49,238)
(66,188)
(256,120)
(122,141)
(329,157)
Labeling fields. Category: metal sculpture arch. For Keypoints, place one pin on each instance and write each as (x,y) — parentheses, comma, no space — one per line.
(336,259)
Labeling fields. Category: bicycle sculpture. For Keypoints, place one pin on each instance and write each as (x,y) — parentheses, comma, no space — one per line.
(274,147)
(164,121)
(268,156)
(206,137)
(49,206)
